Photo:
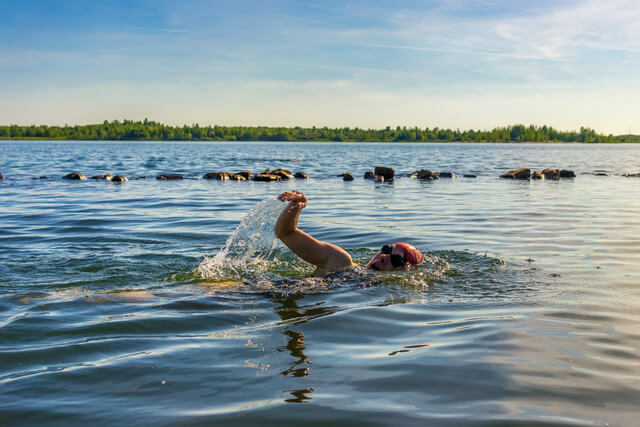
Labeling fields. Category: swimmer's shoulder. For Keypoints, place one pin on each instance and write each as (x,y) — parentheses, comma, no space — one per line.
(338,260)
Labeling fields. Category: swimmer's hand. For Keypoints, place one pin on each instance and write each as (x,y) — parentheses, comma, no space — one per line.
(298,199)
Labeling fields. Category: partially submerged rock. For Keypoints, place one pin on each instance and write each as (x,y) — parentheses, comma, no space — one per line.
(237,177)
(374,177)
(106,177)
(169,177)
(537,175)
(119,178)
(346,176)
(1,176)
(39,177)
(220,176)
(245,174)
(266,177)
(447,175)
(567,174)
(425,174)
(301,175)
(551,173)
(468,175)
(385,172)
(282,173)
(523,173)
(75,176)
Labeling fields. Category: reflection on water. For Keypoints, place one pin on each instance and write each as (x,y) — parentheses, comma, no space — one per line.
(407,348)
(288,311)
(295,340)
(296,347)
(299,396)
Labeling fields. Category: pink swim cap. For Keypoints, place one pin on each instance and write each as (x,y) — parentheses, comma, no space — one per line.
(411,253)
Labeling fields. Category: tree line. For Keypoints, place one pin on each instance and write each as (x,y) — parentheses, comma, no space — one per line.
(150,130)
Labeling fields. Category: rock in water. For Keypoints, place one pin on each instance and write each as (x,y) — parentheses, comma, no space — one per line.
(385,172)
(75,176)
(245,174)
(551,173)
(346,176)
(106,177)
(537,175)
(567,174)
(119,178)
(282,173)
(523,173)
(266,177)
(169,177)
(468,175)
(425,174)
(1,176)
(372,176)
(447,175)
(301,175)
(237,177)
(220,176)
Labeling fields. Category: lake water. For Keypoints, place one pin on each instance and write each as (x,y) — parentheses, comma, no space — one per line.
(527,310)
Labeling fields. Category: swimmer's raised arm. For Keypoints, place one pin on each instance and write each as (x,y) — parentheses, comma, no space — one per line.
(326,257)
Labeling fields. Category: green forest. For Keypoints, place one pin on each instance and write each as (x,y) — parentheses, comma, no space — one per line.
(150,130)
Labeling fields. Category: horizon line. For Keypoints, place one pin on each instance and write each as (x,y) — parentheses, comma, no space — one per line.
(391,127)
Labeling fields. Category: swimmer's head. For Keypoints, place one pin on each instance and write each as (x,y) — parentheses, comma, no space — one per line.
(398,255)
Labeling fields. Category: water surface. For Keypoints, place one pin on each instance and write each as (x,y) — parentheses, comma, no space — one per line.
(527,311)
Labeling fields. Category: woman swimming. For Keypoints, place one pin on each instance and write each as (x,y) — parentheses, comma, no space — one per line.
(329,258)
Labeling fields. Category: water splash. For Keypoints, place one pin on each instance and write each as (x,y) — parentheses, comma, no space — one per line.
(248,248)
(253,256)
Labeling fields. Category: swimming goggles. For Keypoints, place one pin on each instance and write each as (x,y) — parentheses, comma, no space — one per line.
(396,260)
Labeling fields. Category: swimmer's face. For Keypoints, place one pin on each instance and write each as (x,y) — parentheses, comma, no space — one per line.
(389,258)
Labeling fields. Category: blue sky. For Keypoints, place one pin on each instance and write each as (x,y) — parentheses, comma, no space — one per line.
(447,63)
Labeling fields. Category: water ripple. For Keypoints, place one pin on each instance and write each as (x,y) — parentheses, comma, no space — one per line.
(525,313)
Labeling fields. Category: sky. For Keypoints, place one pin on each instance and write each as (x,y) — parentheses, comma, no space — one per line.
(370,64)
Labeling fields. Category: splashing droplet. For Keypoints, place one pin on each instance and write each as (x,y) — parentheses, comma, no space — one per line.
(250,244)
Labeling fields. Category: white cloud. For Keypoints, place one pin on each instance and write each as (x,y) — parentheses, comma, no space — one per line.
(557,33)
(549,33)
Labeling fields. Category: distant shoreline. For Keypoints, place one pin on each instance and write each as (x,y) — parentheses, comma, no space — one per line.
(153,131)
(2,139)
